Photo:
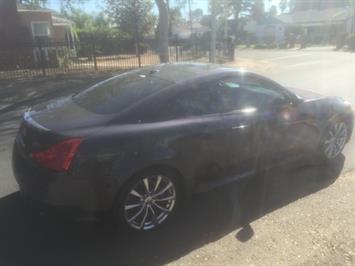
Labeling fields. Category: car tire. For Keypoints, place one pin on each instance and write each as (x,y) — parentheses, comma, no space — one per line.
(333,140)
(148,201)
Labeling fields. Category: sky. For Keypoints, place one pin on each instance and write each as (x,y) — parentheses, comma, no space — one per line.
(95,6)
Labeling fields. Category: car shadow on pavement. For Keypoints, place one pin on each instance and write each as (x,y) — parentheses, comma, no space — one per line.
(27,238)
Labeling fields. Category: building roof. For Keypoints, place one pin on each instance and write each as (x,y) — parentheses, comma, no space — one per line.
(60,21)
(183,29)
(57,19)
(24,8)
(270,20)
(315,17)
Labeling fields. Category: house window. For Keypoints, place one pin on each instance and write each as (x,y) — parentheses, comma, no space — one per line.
(41,37)
(69,38)
(40,31)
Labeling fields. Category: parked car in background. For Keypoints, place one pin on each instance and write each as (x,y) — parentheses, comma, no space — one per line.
(138,143)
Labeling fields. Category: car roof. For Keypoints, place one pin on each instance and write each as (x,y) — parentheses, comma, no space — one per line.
(181,72)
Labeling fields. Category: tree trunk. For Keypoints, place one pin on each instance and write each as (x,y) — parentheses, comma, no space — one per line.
(237,8)
(163,31)
(236,24)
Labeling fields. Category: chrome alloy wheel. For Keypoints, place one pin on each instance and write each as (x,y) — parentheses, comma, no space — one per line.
(150,202)
(335,140)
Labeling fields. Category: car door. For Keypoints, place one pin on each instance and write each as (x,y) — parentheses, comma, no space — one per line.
(252,126)
(277,119)
(239,123)
(200,145)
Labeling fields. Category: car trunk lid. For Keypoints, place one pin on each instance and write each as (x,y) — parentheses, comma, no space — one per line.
(47,124)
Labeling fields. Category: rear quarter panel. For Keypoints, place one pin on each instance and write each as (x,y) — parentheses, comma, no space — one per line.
(123,150)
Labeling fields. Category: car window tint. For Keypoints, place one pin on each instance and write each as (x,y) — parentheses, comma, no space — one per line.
(195,102)
(237,94)
(120,92)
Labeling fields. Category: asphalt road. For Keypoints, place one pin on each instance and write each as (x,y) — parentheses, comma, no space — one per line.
(318,69)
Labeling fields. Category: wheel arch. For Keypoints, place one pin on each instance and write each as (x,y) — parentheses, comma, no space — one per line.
(346,118)
(183,183)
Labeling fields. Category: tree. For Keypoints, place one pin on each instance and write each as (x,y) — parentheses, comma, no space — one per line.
(352,6)
(273,10)
(163,30)
(175,17)
(213,7)
(291,5)
(258,10)
(197,15)
(238,7)
(134,18)
(283,5)
(69,4)
(223,14)
(86,25)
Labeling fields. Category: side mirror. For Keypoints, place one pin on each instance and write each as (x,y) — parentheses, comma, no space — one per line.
(282,110)
(278,105)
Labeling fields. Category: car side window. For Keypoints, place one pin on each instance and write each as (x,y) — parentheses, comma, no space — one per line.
(237,94)
(194,102)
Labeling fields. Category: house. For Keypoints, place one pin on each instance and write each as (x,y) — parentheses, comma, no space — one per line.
(269,30)
(28,35)
(184,30)
(316,25)
(319,25)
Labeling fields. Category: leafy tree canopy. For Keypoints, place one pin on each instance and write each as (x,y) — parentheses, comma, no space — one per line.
(132,17)
(88,25)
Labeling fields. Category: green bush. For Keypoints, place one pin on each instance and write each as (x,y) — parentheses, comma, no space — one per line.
(350,41)
(271,46)
(260,46)
(265,46)
(282,46)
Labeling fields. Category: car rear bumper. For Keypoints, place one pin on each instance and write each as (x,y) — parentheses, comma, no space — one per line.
(59,190)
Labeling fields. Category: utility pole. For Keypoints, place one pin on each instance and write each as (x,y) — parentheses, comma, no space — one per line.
(213,32)
(191,28)
(168,7)
(190,15)
(61,6)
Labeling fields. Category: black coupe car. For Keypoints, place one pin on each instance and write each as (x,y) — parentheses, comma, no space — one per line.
(137,143)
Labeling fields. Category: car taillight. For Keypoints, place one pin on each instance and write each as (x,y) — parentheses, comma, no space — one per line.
(59,156)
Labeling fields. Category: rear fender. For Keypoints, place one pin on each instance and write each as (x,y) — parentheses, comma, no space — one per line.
(123,169)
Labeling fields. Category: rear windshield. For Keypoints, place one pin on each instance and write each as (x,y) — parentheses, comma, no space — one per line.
(118,93)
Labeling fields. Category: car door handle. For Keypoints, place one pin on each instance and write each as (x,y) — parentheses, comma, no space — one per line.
(241,126)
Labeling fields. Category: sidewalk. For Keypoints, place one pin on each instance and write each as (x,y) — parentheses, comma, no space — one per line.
(313,230)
